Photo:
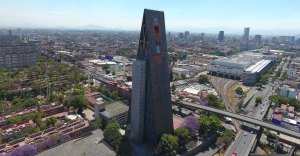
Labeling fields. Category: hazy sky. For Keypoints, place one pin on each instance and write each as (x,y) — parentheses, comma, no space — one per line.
(127,14)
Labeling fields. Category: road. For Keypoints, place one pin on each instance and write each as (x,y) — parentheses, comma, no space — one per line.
(242,118)
(245,140)
(242,141)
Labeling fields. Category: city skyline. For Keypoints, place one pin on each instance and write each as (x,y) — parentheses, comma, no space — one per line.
(266,17)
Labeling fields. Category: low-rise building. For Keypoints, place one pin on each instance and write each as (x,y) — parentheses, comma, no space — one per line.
(113,110)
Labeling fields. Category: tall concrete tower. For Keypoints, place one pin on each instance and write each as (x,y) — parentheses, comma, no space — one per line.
(246,34)
(221,36)
(151,107)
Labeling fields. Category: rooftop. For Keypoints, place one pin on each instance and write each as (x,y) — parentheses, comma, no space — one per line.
(258,66)
(241,60)
(114,108)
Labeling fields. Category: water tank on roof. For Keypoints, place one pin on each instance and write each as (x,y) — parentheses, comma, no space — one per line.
(109,57)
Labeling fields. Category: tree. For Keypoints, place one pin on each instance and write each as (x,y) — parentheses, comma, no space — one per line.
(105,67)
(258,100)
(181,97)
(129,78)
(239,90)
(25,150)
(171,75)
(209,123)
(270,135)
(77,91)
(97,123)
(79,102)
(203,79)
(173,88)
(51,121)
(204,122)
(168,143)
(112,135)
(66,103)
(183,76)
(125,147)
(114,95)
(183,136)
(226,138)
(190,123)
(215,122)
(30,102)
(214,101)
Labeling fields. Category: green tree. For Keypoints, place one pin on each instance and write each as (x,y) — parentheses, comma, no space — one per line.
(30,102)
(171,76)
(204,123)
(214,101)
(105,67)
(209,123)
(203,79)
(239,91)
(112,135)
(114,95)
(226,138)
(173,88)
(129,78)
(183,136)
(51,121)
(125,147)
(79,102)
(78,92)
(183,76)
(215,122)
(271,135)
(258,100)
(168,143)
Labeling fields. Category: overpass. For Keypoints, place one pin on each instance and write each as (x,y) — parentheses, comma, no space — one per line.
(243,118)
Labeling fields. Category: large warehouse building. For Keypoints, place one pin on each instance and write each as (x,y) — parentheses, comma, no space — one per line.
(246,66)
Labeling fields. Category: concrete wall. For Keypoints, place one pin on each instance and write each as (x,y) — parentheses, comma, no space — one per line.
(138,100)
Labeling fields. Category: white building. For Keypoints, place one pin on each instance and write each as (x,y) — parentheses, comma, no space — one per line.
(292,73)
(180,71)
(246,66)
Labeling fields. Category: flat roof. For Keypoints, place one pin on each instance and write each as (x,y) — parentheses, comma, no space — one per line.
(191,90)
(241,60)
(258,66)
(113,109)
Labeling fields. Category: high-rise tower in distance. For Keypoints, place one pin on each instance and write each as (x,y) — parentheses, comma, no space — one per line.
(151,107)
(221,36)
(246,34)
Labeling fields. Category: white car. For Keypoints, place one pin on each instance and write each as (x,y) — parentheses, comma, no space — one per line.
(245,134)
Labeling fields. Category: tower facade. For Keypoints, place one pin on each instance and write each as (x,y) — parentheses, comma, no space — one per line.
(246,34)
(221,36)
(151,107)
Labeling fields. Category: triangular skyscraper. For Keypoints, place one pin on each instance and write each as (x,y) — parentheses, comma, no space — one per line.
(151,107)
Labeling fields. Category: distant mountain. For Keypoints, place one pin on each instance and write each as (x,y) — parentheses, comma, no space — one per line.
(91,27)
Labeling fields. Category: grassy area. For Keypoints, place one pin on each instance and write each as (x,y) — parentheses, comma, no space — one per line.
(231,93)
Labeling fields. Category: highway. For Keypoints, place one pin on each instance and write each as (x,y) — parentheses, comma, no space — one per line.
(243,118)
(245,140)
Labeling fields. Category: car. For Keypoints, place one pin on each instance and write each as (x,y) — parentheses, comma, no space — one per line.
(234,154)
(263,110)
(245,134)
